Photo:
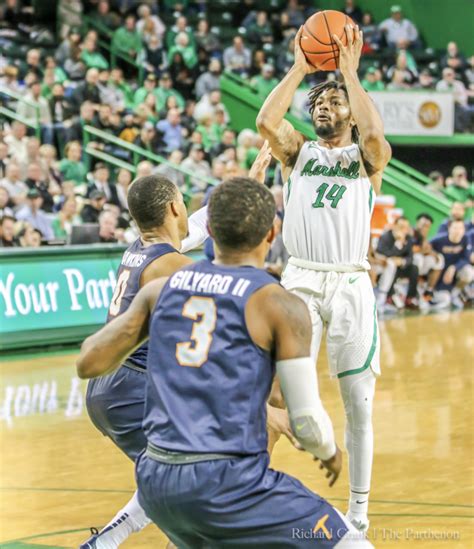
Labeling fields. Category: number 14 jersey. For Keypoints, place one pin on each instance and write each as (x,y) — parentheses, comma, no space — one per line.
(328,206)
(208,382)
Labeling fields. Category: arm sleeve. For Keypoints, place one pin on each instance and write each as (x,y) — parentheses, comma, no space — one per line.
(197,231)
(308,418)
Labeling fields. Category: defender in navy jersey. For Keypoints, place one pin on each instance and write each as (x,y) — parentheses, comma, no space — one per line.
(204,478)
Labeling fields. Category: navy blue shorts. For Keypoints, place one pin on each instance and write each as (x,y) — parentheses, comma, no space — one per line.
(235,503)
(116,406)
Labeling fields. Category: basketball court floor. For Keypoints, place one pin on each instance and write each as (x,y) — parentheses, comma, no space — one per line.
(59,476)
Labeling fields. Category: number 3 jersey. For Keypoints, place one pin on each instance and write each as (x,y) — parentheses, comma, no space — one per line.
(134,261)
(328,206)
(208,382)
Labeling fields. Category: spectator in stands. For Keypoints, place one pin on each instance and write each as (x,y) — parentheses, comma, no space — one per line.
(462,111)
(227,140)
(88,90)
(71,167)
(196,164)
(91,211)
(176,176)
(40,113)
(62,110)
(124,178)
(402,65)
(146,20)
(149,139)
(35,180)
(398,31)
(286,59)
(373,80)
(454,59)
(33,214)
(437,186)
(209,80)
(4,202)
(469,74)
(144,169)
(106,120)
(184,47)
(123,94)
(429,262)
(164,90)
(460,189)
(259,59)
(9,80)
(396,248)
(205,39)
(14,185)
(74,128)
(456,250)
(398,82)
(90,55)
(126,39)
(353,11)
(265,81)
(105,16)
(260,32)
(48,160)
(4,159)
(155,56)
(29,237)
(67,46)
(74,66)
(149,86)
(425,81)
(33,64)
(172,130)
(209,104)
(457,213)
(108,228)
(7,231)
(237,58)
(32,154)
(294,14)
(101,183)
(66,218)
(16,140)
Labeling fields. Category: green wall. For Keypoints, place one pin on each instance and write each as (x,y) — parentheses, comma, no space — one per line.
(439,21)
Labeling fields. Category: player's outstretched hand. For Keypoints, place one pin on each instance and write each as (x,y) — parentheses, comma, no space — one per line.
(300,59)
(261,163)
(349,55)
(333,466)
(279,422)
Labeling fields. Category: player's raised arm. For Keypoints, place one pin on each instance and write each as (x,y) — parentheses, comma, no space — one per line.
(291,326)
(284,140)
(375,148)
(104,351)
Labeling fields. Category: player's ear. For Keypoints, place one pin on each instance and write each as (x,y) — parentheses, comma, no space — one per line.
(174,208)
(209,230)
(271,234)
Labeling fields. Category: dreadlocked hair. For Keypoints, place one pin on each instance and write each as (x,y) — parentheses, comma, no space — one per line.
(316,91)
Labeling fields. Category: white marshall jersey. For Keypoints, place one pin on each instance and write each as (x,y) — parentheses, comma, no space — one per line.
(328,206)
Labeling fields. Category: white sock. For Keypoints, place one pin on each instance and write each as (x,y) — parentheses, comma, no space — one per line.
(358,504)
(130,519)
(357,393)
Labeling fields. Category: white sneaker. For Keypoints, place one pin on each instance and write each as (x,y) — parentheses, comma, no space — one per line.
(361,522)
(456,300)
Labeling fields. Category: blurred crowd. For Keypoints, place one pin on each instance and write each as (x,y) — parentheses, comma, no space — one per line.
(151,78)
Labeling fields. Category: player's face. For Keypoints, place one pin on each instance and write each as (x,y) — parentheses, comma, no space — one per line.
(456,231)
(332,114)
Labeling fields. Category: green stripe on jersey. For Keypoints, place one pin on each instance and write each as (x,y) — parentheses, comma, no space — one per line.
(370,356)
(371,197)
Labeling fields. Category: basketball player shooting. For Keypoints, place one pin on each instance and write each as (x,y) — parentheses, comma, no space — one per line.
(329,198)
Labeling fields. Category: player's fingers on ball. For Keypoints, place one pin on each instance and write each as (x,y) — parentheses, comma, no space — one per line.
(350,34)
(338,42)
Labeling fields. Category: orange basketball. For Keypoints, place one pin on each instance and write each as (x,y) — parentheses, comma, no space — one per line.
(317,42)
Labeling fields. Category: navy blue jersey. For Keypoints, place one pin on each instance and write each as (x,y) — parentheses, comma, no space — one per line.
(207,380)
(454,253)
(134,261)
